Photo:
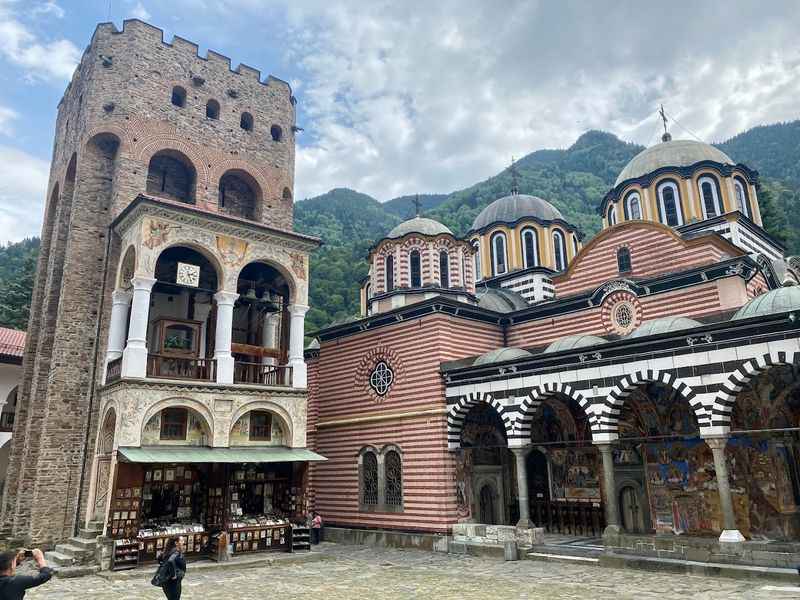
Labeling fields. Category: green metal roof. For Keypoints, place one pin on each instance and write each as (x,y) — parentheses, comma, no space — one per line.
(782,299)
(203,454)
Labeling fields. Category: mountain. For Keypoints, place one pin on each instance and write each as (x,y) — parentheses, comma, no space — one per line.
(574,179)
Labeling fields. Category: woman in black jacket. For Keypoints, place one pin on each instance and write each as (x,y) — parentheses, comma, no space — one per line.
(174,563)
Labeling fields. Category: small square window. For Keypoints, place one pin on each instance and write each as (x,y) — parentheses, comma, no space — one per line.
(260,426)
(173,423)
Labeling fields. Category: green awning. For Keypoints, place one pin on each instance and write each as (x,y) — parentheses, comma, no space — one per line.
(202,454)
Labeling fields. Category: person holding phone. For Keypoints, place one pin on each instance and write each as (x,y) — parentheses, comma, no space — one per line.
(13,586)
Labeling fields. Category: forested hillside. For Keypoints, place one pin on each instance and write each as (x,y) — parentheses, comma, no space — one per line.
(574,180)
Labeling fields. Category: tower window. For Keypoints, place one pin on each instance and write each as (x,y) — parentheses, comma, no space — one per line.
(742,200)
(287,194)
(633,207)
(710,197)
(530,246)
(212,109)
(246,122)
(477,245)
(612,215)
(276,132)
(560,250)
(624,260)
(669,203)
(389,273)
(444,269)
(173,423)
(179,96)
(415,268)
(171,175)
(498,254)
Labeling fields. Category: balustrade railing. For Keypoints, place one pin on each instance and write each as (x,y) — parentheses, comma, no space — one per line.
(179,367)
(261,374)
(114,370)
(573,518)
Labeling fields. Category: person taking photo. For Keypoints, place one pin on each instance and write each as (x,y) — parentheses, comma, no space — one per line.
(13,586)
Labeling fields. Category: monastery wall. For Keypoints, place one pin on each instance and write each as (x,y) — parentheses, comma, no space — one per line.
(345,416)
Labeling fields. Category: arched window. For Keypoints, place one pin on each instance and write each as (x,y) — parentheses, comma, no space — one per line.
(389,273)
(276,132)
(633,207)
(624,260)
(246,121)
(239,194)
(178,96)
(498,254)
(709,196)
(444,269)
(368,291)
(559,250)
(173,423)
(669,203)
(212,109)
(393,478)
(415,267)
(171,175)
(575,246)
(287,194)
(477,245)
(612,215)
(742,198)
(530,248)
(369,479)
(260,426)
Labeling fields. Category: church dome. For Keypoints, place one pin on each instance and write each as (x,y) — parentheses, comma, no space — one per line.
(511,209)
(674,153)
(500,355)
(780,300)
(573,342)
(421,225)
(663,325)
(500,300)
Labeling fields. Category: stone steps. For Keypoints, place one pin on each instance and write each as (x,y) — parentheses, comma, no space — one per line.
(59,559)
(79,554)
(88,544)
(78,571)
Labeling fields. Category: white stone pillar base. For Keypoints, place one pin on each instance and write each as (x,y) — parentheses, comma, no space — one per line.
(134,361)
(731,536)
(299,373)
(224,367)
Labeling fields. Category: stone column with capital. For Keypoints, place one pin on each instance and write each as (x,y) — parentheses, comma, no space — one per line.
(610,484)
(730,531)
(521,455)
(224,335)
(269,336)
(120,308)
(134,357)
(297,313)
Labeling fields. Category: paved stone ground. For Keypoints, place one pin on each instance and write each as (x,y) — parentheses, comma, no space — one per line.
(350,572)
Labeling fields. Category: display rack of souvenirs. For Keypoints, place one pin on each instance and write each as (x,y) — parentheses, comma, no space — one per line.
(301,537)
(126,554)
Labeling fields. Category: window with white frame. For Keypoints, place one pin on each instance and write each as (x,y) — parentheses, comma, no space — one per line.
(499,260)
(559,250)
(612,215)
(530,248)
(742,200)
(477,245)
(415,267)
(444,269)
(389,273)
(633,206)
(709,196)
(669,204)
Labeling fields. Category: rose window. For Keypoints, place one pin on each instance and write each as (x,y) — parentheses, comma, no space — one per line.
(623,316)
(381,378)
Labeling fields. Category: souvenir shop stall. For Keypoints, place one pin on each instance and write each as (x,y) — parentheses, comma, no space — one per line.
(219,508)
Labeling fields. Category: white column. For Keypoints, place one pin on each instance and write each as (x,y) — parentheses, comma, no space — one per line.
(730,531)
(269,336)
(224,335)
(120,308)
(296,333)
(134,357)
(521,454)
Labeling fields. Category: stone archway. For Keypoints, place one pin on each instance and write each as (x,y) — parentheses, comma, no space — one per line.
(103,479)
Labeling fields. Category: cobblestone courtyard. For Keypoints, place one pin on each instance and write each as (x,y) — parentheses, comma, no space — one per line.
(348,572)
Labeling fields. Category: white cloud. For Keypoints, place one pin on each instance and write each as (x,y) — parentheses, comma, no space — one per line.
(7,115)
(47,61)
(140,12)
(23,186)
(49,8)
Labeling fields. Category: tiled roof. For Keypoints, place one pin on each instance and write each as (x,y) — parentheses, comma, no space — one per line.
(12,342)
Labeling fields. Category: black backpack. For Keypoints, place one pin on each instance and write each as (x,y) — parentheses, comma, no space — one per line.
(163,574)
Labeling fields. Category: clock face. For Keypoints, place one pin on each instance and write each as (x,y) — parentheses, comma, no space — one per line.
(188,275)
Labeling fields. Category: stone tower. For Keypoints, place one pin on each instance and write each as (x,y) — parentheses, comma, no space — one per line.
(141,119)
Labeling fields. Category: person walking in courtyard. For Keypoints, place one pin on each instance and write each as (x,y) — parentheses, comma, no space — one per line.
(13,586)
(316,527)
(171,569)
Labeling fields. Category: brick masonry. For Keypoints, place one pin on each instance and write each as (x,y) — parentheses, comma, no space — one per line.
(116,114)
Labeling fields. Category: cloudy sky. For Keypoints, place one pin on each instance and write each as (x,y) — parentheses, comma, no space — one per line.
(405,96)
